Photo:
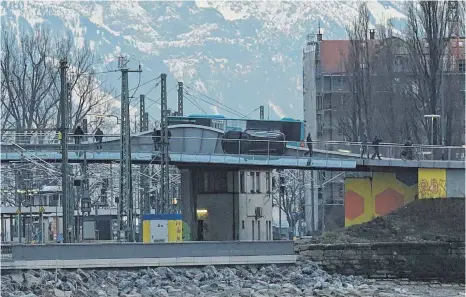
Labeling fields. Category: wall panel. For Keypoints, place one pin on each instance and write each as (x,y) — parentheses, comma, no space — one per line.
(432,183)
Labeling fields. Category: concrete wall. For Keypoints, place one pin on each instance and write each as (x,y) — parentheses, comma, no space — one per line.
(232,215)
(218,224)
(441,183)
(416,261)
(149,250)
(455,183)
(382,193)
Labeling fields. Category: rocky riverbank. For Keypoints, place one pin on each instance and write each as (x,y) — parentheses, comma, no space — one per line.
(305,279)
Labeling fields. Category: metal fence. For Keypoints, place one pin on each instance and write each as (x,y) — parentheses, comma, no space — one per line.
(6,252)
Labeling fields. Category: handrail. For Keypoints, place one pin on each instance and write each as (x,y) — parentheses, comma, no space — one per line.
(333,142)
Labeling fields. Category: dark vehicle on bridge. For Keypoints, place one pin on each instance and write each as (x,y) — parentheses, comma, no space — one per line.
(292,129)
(254,142)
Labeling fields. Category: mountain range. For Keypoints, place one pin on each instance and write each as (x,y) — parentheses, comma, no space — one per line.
(242,54)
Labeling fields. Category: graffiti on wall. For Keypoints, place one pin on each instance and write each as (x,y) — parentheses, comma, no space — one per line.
(432,183)
(433,188)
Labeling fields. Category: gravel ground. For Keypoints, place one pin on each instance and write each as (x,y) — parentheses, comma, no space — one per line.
(425,289)
(305,279)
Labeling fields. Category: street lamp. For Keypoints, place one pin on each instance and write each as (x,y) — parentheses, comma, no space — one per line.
(432,116)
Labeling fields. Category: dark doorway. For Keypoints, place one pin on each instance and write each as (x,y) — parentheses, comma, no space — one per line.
(200,230)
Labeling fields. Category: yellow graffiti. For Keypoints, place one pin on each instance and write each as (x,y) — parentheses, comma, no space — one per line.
(432,189)
(432,183)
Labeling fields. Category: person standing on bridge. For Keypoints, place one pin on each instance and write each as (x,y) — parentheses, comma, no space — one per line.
(157,138)
(408,150)
(376,142)
(98,137)
(364,146)
(309,145)
(78,134)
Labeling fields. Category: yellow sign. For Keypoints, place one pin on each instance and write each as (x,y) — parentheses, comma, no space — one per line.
(146,231)
(175,230)
(18,211)
(41,209)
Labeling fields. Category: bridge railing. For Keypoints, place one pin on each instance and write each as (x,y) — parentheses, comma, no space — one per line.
(327,149)
(393,151)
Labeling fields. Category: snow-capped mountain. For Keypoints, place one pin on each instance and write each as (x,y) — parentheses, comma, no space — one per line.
(244,54)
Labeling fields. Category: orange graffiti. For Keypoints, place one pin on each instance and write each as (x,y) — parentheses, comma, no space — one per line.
(434,189)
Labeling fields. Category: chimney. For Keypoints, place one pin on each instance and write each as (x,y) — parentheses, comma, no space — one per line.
(319,34)
(371,34)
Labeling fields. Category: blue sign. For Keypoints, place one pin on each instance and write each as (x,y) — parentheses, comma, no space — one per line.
(60,237)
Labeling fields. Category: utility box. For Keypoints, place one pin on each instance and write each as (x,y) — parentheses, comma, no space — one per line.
(162,228)
(89,230)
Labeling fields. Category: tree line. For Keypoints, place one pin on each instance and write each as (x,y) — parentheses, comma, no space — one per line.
(397,78)
(30,81)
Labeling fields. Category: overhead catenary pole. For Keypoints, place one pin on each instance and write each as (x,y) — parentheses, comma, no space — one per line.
(18,202)
(180,98)
(164,162)
(261,112)
(144,126)
(64,127)
(85,197)
(126,224)
(281,198)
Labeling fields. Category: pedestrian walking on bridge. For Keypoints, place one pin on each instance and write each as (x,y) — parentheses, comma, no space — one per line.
(78,134)
(376,142)
(98,137)
(364,146)
(309,145)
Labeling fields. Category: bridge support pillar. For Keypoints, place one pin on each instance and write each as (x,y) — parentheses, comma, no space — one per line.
(189,202)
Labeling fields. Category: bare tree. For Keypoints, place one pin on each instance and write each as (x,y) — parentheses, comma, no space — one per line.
(28,76)
(292,201)
(358,68)
(390,78)
(427,39)
(30,81)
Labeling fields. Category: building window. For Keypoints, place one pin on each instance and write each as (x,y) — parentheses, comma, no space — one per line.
(267,181)
(267,230)
(215,182)
(258,230)
(319,103)
(258,182)
(242,224)
(461,66)
(252,227)
(328,102)
(319,119)
(242,183)
(252,175)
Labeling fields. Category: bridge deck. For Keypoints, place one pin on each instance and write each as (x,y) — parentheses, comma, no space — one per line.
(189,159)
(184,159)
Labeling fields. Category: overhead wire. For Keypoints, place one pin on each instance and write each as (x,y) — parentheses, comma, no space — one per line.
(117,96)
(158,100)
(226,108)
(222,106)
(194,103)
(253,111)
(139,83)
